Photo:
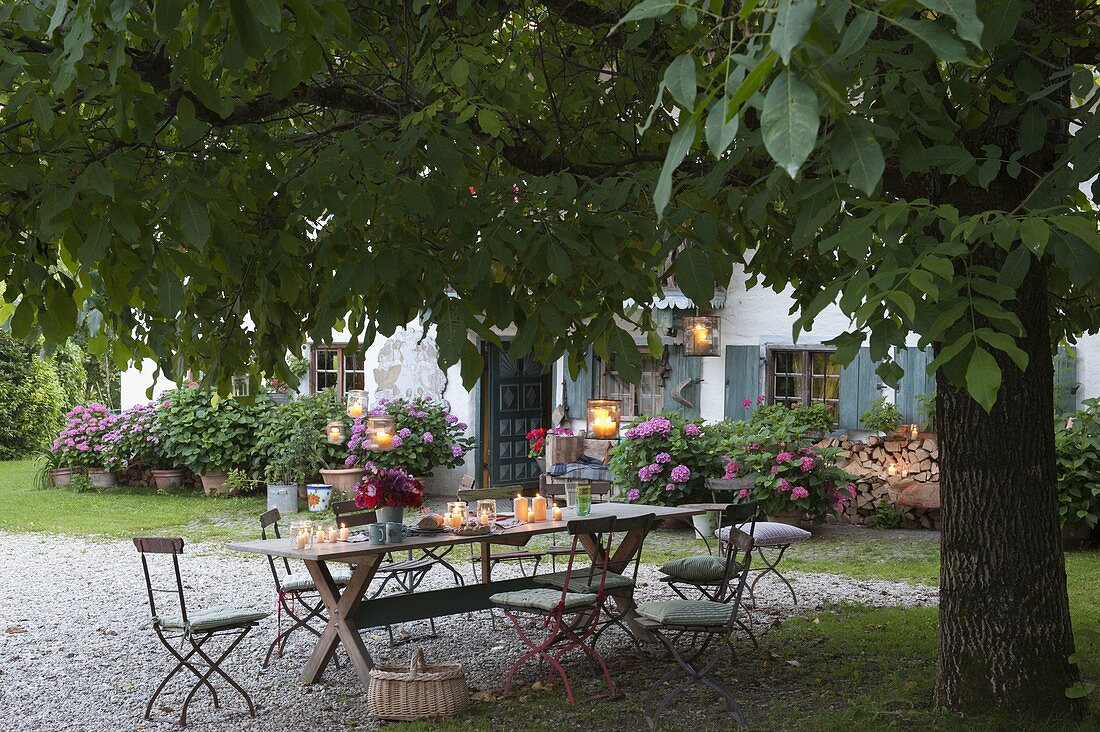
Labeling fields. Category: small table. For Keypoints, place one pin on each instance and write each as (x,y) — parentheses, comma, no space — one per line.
(350,609)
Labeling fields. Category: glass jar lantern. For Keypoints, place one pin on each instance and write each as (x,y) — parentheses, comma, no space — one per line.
(457,513)
(357,403)
(380,431)
(334,432)
(702,336)
(604,416)
(301,534)
(487,512)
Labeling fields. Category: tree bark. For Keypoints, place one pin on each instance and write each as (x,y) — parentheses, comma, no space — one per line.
(1005,633)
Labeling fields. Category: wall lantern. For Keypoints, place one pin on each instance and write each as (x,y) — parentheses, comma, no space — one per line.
(334,432)
(702,335)
(380,431)
(604,416)
(357,403)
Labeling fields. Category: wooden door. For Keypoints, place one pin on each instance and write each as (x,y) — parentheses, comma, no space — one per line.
(517,395)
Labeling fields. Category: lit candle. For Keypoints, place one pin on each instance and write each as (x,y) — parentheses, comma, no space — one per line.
(913,432)
(520,507)
(538,508)
(603,427)
(701,334)
(301,539)
(557,512)
(334,434)
(383,440)
(892,469)
(355,410)
(483,519)
(345,532)
(333,534)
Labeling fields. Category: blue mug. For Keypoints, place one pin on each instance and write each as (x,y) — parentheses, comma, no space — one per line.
(376,534)
(395,532)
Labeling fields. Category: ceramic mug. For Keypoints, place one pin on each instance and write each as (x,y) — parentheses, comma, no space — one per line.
(376,534)
(395,532)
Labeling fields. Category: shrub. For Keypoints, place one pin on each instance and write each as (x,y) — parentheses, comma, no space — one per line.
(1077,441)
(208,434)
(301,420)
(787,477)
(883,416)
(664,460)
(72,376)
(32,403)
(136,438)
(301,457)
(793,421)
(89,438)
(428,437)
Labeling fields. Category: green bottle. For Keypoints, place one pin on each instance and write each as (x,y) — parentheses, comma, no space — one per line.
(584,499)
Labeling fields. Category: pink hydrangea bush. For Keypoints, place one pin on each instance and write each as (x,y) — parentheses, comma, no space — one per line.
(663,460)
(84,441)
(428,437)
(790,478)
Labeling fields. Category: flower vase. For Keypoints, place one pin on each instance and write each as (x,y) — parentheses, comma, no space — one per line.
(387,514)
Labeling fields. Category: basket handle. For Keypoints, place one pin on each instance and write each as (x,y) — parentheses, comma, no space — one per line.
(416,662)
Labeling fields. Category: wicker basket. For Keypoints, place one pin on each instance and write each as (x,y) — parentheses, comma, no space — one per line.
(418,692)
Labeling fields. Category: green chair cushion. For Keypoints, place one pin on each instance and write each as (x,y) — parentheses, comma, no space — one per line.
(542,598)
(579,581)
(214,618)
(298,581)
(687,612)
(700,568)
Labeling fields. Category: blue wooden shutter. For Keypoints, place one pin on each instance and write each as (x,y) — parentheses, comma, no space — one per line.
(578,392)
(742,379)
(1065,380)
(916,381)
(683,368)
(858,389)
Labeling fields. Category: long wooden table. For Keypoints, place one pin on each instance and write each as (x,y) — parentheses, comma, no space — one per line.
(348,610)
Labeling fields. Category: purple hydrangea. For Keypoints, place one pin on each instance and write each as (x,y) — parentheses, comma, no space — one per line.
(451,419)
(807,464)
(404,432)
(457,451)
(428,437)
(633,494)
(649,472)
(798,493)
(349,461)
(784,457)
(662,458)
(692,430)
(397,441)
(649,428)
(681,474)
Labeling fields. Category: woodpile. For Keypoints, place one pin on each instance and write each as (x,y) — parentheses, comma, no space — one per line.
(884,468)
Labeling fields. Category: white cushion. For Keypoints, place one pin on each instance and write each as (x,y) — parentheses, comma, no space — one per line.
(769,533)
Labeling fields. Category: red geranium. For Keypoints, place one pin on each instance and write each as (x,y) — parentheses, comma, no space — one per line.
(536,441)
(393,487)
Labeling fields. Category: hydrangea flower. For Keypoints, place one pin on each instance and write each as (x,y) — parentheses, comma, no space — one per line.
(747,404)
(784,457)
(428,437)
(397,442)
(670,487)
(731,468)
(798,493)
(692,430)
(457,451)
(649,472)
(633,494)
(681,474)
(744,493)
(404,432)
(784,485)
(649,428)
(662,458)
(807,464)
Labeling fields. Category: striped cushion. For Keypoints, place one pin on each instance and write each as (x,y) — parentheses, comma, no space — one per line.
(687,612)
(298,581)
(214,618)
(769,533)
(579,581)
(542,599)
(700,568)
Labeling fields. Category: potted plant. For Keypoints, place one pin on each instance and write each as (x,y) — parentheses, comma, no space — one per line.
(136,439)
(1077,443)
(301,422)
(207,434)
(389,491)
(427,437)
(664,460)
(883,417)
(289,469)
(82,444)
(536,443)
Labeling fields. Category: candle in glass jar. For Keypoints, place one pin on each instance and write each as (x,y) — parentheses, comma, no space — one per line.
(892,469)
(301,539)
(483,519)
(383,440)
(355,410)
(913,433)
(557,512)
(520,507)
(344,532)
(603,426)
(538,508)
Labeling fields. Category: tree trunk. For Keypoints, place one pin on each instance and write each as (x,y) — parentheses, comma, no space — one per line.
(1005,634)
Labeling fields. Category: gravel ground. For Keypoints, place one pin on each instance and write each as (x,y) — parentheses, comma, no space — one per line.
(77,652)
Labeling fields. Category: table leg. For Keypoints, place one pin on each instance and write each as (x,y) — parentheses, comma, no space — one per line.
(341,628)
(486,564)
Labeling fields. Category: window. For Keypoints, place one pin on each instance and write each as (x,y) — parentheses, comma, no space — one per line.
(803,376)
(332,368)
(648,397)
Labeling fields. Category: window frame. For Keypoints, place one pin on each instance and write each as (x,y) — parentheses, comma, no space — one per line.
(340,354)
(806,353)
(604,371)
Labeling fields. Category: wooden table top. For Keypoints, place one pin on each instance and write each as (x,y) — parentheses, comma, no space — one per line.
(343,551)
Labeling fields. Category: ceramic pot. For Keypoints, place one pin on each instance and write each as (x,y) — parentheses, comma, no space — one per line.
(101,477)
(61,476)
(317,496)
(167,479)
(343,481)
(390,514)
(704,524)
(213,482)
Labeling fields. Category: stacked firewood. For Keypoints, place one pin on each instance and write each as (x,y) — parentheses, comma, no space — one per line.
(884,468)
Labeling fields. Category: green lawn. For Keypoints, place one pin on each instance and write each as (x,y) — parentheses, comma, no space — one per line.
(838,669)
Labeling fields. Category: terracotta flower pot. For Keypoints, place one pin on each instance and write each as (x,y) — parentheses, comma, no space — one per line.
(101,477)
(343,480)
(61,476)
(213,482)
(167,479)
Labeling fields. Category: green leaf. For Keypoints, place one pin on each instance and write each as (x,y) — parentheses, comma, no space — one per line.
(857,151)
(790,122)
(646,9)
(248,30)
(167,14)
(1083,227)
(695,276)
(1080,689)
(1005,342)
(719,132)
(194,221)
(680,80)
(1000,22)
(41,112)
(1034,233)
(460,72)
(677,150)
(983,378)
(752,82)
(58,16)
(942,44)
(856,34)
(792,22)
(965,14)
(94,247)
(1033,130)
(268,12)
(488,121)
(624,354)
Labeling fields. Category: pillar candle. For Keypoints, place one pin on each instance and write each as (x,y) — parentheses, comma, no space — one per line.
(345,532)
(538,508)
(520,506)
(557,513)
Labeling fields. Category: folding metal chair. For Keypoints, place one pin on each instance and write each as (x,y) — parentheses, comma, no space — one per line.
(572,617)
(194,629)
(704,621)
(407,573)
(294,590)
(619,587)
